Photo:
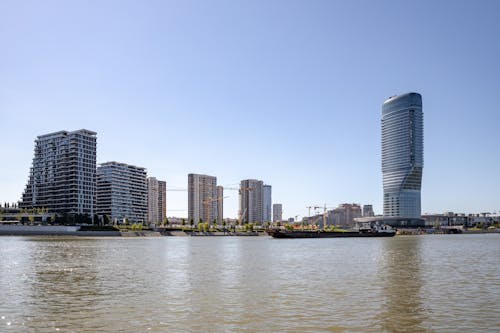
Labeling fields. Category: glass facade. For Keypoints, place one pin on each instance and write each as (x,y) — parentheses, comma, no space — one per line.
(402,155)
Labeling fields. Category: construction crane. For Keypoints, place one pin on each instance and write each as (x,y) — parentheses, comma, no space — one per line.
(316,207)
(206,203)
(208,206)
(240,190)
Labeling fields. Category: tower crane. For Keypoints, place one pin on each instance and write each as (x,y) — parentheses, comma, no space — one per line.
(208,206)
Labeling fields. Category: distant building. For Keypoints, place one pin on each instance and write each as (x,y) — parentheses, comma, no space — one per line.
(202,198)
(252,200)
(220,204)
(402,158)
(267,202)
(458,219)
(162,200)
(345,213)
(368,211)
(122,192)
(277,212)
(63,174)
(156,200)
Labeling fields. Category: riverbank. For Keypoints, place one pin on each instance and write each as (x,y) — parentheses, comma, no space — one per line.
(62,230)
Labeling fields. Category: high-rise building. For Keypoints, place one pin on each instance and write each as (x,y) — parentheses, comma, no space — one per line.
(368,211)
(162,200)
(122,192)
(252,201)
(202,198)
(63,175)
(402,156)
(277,212)
(220,204)
(156,200)
(152,200)
(267,202)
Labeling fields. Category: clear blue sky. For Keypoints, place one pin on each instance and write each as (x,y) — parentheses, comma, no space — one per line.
(289,92)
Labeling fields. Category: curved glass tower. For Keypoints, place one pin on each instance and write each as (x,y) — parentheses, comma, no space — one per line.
(402,155)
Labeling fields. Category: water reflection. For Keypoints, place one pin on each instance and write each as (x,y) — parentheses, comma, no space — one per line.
(63,282)
(400,273)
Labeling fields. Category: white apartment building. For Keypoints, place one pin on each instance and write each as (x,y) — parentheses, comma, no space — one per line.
(63,174)
(122,192)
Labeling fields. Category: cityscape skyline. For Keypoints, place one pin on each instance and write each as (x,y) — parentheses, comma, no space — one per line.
(302,97)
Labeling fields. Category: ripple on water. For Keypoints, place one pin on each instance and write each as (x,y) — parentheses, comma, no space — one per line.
(250,284)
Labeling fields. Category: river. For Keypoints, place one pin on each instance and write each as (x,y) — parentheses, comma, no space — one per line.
(432,283)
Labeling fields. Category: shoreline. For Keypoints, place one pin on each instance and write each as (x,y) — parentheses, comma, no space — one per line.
(61,230)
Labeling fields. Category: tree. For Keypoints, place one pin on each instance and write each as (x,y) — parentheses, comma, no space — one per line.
(106,219)
(183,222)
(191,223)
(200,227)
(31,218)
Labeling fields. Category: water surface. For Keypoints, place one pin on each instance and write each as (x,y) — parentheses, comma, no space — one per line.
(435,283)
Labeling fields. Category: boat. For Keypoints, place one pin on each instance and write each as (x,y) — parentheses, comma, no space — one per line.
(370,230)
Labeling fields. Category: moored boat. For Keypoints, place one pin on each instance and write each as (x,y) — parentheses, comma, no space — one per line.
(277,233)
(370,230)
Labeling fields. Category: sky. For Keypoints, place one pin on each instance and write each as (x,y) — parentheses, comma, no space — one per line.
(288,92)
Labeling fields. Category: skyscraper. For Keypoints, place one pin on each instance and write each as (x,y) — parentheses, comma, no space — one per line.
(156,200)
(63,175)
(402,157)
(202,198)
(267,203)
(122,192)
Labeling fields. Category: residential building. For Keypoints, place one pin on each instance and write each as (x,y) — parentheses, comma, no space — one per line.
(345,213)
(252,201)
(156,200)
(277,212)
(162,200)
(368,211)
(220,204)
(63,174)
(449,219)
(122,192)
(402,158)
(267,202)
(152,200)
(202,198)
